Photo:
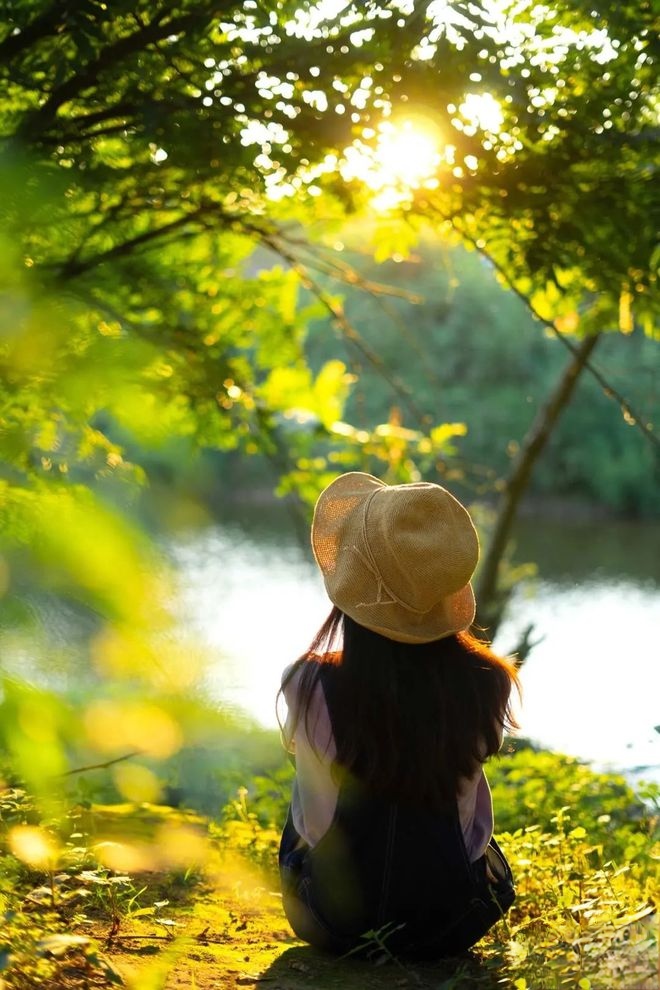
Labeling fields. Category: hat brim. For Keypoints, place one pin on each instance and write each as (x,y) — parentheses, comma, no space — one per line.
(452,615)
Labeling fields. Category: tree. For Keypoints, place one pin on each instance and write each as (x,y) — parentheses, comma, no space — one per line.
(153,116)
(175,122)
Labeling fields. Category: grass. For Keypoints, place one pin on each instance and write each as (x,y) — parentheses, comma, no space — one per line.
(153,897)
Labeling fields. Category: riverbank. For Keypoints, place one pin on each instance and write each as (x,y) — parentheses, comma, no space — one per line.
(154,898)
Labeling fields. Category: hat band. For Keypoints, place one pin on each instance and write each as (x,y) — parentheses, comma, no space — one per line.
(370,563)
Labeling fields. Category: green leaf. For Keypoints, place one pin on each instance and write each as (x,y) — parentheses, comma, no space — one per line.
(330,390)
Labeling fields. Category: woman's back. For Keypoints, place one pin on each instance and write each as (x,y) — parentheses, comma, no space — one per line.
(411,721)
(390,850)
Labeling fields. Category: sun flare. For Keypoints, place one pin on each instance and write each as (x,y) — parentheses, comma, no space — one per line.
(404,156)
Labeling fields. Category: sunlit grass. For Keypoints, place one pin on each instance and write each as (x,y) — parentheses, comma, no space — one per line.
(584,849)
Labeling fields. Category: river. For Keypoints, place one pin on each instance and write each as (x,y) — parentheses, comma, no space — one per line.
(251,595)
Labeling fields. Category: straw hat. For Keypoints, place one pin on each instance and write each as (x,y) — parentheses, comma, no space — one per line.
(397,559)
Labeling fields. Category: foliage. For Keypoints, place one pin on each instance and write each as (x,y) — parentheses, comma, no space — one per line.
(64,874)
(44,891)
(579,916)
(469,351)
(150,148)
(146,102)
(531,787)
(241,830)
(584,852)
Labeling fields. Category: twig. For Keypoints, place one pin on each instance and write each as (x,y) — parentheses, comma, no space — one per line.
(347,329)
(73,267)
(102,766)
(347,273)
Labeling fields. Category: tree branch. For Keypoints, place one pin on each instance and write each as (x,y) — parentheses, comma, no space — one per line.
(627,410)
(102,766)
(155,31)
(530,450)
(346,273)
(73,268)
(87,120)
(45,24)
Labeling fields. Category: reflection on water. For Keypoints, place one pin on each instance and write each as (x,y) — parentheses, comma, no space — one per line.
(591,686)
(256,604)
(570,552)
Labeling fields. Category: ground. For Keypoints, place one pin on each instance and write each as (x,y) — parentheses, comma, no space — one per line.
(226,929)
(200,908)
(234,934)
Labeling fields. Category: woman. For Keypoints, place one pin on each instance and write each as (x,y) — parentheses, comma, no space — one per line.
(391,714)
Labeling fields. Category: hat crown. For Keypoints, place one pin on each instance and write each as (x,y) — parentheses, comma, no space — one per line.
(422,543)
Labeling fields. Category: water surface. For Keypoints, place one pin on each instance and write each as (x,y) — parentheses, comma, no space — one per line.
(252,595)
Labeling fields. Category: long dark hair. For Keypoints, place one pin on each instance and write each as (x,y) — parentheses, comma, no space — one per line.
(409,720)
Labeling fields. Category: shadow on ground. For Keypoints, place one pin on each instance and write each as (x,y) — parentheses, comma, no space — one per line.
(301,968)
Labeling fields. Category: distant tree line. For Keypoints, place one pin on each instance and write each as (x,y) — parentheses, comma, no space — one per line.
(468,351)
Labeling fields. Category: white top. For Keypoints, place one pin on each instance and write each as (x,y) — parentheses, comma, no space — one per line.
(314,796)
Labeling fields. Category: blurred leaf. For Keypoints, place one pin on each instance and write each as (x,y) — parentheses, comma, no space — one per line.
(60,944)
